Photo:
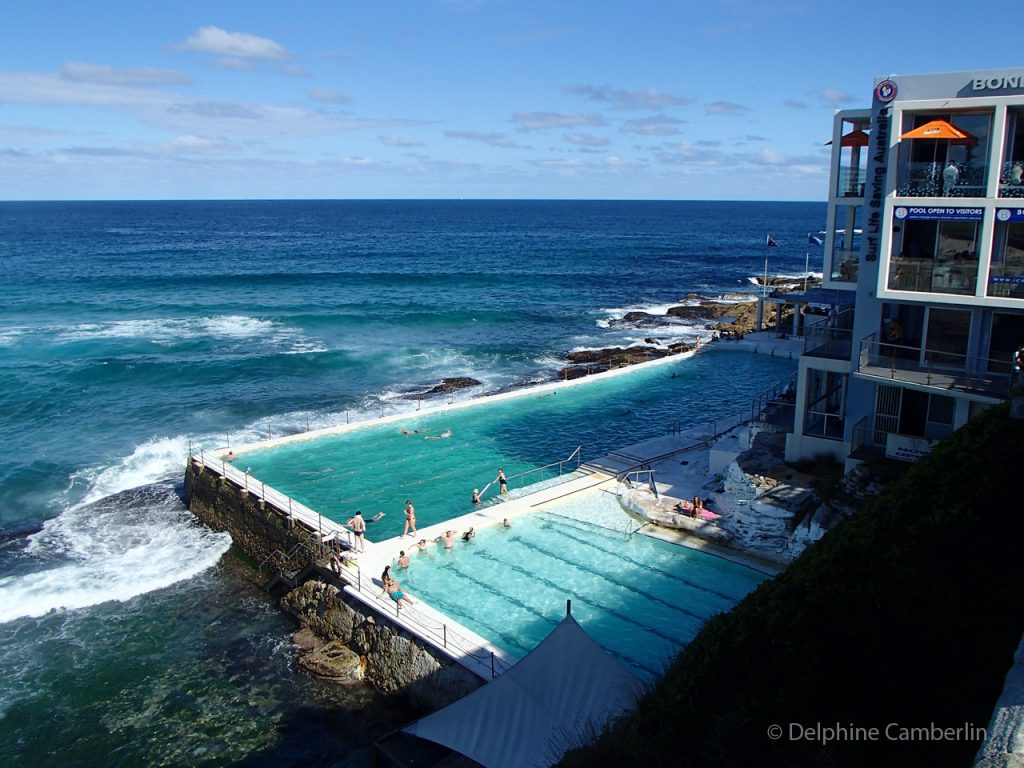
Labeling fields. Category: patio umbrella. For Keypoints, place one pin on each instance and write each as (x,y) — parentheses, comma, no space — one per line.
(855,138)
(940,130)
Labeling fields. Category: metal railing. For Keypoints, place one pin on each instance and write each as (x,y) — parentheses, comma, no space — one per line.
(642,476)
(521,477)
(835,340)
(311,519)
(934,368)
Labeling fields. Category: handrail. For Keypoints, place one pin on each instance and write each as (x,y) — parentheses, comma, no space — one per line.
(312,520)
(649,476)
(574,455)
(968,371)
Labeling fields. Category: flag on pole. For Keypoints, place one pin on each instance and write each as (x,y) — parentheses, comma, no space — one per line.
(812,240)
(771,242)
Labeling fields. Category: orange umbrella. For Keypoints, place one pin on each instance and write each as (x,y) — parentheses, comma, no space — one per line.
(855,138)
(939,130)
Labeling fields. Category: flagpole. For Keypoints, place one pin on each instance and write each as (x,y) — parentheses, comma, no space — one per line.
(807,260)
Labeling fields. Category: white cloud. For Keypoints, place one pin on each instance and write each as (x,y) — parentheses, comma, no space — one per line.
(649,98)
(535,121)
(327,96)
(233,45)
(585,140)
(80,72)
(659,125)
(398,141)
(794,104)
(491,138)
(725,108)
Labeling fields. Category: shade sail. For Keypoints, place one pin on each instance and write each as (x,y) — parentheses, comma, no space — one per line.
(939,130)
(562,692)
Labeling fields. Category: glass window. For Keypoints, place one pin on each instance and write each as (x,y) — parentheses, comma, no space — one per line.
(943,166)
(948,333)
(1006,276)
(825,394)
(846,243)
(1011,179)
(934,256)
(1007,336)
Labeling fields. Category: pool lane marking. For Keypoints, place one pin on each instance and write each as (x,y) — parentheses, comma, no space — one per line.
(668,574)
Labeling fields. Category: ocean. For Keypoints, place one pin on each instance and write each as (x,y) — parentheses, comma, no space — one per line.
(129,634)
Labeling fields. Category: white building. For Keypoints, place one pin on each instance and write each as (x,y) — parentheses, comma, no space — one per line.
(925,231)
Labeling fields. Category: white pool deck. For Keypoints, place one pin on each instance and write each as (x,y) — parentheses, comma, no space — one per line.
(681,469)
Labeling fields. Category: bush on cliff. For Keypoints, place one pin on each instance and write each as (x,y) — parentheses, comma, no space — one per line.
(908,613)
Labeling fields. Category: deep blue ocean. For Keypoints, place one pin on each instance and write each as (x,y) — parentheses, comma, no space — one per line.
(129,329)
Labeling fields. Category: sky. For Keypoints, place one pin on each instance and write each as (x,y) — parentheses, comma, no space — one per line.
(501,99)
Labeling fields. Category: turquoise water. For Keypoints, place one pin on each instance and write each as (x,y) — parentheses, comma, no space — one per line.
(377,468)
(640,598)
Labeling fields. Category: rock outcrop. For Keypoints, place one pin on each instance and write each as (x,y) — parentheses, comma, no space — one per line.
(377,652)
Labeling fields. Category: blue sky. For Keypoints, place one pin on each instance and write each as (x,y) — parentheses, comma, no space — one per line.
(728,99)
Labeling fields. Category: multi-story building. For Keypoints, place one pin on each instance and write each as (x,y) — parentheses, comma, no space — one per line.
(925,231)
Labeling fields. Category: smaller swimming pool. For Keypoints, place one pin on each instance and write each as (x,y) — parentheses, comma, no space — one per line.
(640,598)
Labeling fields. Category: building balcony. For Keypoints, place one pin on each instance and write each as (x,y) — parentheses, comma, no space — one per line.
(928,180)
(871,439)
(850,182)
(934,370)
(1006,281)
(830,340)
(956,276)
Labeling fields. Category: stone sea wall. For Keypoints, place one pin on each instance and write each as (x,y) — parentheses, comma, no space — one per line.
(351,642)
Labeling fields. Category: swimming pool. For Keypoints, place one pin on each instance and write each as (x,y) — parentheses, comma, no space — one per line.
(375,468)
(640,598)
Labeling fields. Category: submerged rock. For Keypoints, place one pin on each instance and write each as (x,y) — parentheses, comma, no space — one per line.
(450,384)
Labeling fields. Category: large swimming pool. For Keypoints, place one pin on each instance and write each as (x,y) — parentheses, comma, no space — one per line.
(642,599)
(377,467)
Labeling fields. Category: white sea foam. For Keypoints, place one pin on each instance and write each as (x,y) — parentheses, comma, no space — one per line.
(115,549)
(10,336)
(168,331)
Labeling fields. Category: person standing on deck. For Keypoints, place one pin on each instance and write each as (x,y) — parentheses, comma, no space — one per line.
(502,482)
(410,519)
(358,526)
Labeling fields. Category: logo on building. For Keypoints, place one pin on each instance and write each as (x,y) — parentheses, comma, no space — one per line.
(900,213)
(885,91)
(1003,214)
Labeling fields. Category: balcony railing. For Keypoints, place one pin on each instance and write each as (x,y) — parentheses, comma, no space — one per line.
(850,182)
(1006,281)
(835,340)
(936,369)
(926,180)
(931,276)
(1011,181)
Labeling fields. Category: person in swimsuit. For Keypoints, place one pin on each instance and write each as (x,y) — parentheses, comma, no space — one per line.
(502,482)
(385,578)
(446,433)
(476,495)
(410,519)
(394,590)
(468,535)
(403,559)
(448,539)
(505,523)
(422,544)
(358,526)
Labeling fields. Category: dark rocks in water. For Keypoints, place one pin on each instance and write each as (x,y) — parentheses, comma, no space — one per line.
(589,361)
(450,384)
(709,310)
(22,531)
(640,320)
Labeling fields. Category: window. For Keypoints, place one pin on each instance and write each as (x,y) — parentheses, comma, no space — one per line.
(846,244)
(824,416)
(1006,276)
(934,255)
(1007,336)
(1011,179)
(945,167)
